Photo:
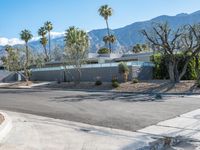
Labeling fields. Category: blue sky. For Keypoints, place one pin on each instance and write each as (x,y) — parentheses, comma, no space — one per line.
(16,15)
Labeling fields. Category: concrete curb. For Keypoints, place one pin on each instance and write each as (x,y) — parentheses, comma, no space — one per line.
(5,127)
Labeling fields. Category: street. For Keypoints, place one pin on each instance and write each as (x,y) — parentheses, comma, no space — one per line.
(115,110)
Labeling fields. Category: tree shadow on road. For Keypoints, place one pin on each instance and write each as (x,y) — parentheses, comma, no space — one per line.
(108,97)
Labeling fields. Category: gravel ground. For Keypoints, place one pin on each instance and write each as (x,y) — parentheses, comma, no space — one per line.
(161,86)
(150,86)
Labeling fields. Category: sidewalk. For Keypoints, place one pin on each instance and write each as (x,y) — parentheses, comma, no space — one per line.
(183,131)
(34,132)
(15,85)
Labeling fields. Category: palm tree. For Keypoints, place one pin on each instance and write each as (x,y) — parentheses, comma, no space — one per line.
(124,70)
(43,40)
(112,38)
(49,26)
(106,39)
(26,35)
(105,11)
(109,39)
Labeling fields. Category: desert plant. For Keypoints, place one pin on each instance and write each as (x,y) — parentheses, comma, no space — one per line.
(76,48)
(11,59)
(184,39)
(160,69)
(139,48)
(124,70)
(103,51)
(198,83)
(114,79)
(158,96)
(58,81)
(26,36)
(115,84)
(98,82)
(135,81)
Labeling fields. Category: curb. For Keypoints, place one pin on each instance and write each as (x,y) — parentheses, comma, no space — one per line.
(5,127)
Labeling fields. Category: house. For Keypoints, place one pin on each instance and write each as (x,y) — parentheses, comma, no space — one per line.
(103,66)
(94,58)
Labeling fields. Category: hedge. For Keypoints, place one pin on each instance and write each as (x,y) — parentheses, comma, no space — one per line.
(160,69)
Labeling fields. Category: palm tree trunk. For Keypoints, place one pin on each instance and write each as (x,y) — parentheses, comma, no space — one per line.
(46,54)
(108,30)
(26,65)
(49,45)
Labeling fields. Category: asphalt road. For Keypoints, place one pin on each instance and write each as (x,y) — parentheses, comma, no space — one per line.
(115,110)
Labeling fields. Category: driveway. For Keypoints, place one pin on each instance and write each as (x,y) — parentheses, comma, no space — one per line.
(115,110)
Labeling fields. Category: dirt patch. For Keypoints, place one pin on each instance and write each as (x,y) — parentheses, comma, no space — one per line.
(160,86)
(150,86)
(1,118)
(22,83)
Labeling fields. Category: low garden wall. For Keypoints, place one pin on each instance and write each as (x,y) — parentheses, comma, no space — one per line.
(90,74)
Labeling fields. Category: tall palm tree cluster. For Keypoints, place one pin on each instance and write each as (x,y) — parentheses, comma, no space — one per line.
(105,11)
(26,36)
(76,40)
(48,26)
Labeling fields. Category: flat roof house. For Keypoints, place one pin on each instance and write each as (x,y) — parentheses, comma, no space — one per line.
(103,66)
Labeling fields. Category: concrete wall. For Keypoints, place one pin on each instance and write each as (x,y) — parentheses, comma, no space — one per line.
(6,76)
(90,74)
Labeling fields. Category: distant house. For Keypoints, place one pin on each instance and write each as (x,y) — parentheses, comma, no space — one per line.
(94,58)
(142,57)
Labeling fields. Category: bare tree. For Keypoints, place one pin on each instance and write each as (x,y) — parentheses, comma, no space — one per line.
(185,40)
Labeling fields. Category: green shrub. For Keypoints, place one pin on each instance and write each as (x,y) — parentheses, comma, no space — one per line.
(198,83)
(124,70)
(98,83)
(135,81)
(115,84)
(158,96)
(160,70)
(103,51)
(58,81)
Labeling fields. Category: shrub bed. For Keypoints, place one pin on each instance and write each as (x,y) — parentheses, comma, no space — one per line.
(160,69)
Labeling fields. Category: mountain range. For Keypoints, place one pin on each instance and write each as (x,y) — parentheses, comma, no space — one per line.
(126,36)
